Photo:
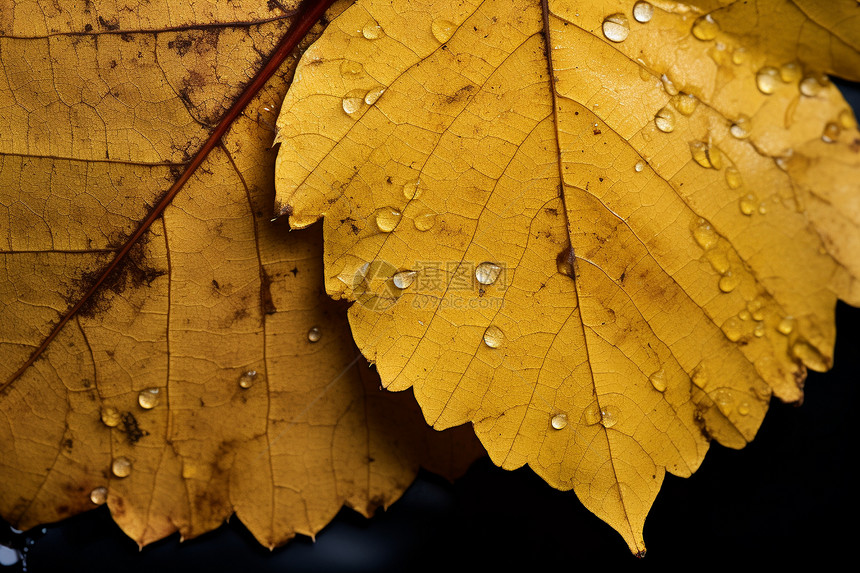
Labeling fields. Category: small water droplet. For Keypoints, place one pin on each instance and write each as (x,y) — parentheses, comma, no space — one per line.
(739,56)
(372,30)
(314,334)
(110,416)
(665,120)
(616,27)
(607,417)
(99,495)
(754,306)
(387,219)
(729,282)
(668,85)
(744,408)
(411,189)
(786,325)
(351,69)
(425,221)
(742,127)
(487,273)
(592,414)
(759,330)
(762,209)
(640,165)
(789,72)
(724,401)
(706,155)
(148,399)
(685,103)
(246,380)
(847,119)
(443,30)
(733,177)
(371,96)
(744,314)
(493,336)
(353,102)
(705,235)
(699,378)
(733,329)
(658,380)
(719,260)
(831,133)
(404,279)
(784,161)
(705,28)
(810,86)
(643,12)
(767,80)
(559,421)
(121,467)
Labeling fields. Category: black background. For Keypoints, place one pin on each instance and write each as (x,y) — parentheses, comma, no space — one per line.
(787,496)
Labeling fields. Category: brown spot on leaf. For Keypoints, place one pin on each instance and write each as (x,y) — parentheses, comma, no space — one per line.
(267,305)
(131,429)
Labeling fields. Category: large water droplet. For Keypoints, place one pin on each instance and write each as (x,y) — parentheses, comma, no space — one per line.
(592,414)
(110,416)
(748,204)
(705,235)
(121,467)
(607,417)
(668,85)
(733,329)
(493,336)
(487,273)
(705,28)
(246,380)
(733,177)
(148,399)
(411,190)
(372,31)
(99,495)
(643,12)
(740,56)
(789,72)
(810,86)
(404,279)
(831,133)
(314,334)
(387,219)
(719,260)
(767,80)
(685,103)
(353,102)
(665,120)
(706,155)
(425,221)
(443,30)
(351,69)
(742,127)
(559,421)
(786,325)
(744,408)
(374,94)
(729,282)
(658,380)
(616,27)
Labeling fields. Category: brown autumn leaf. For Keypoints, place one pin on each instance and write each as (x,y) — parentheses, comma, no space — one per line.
(210,374)
(604,255)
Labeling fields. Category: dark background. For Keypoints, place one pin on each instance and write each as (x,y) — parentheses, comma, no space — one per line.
(786,497)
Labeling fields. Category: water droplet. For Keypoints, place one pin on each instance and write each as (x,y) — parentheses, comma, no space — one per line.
(847,119)
(705,234)
(789,72)
(314,334)
(110,416)
(759,330)
(643,11)
(733,329)
(411,190)
(121,467)
(353,101)
(754,306)
(665,120)
(744,408)
(685,103)
(351,69)
(493,336)
(700,379)
(640,165)
(719,261)
(148,399)
(705,28)
(831,133)
(443,30)
(616,27)
(733,177)
(371,96)
(592,414)
(729,282)
(767,80)
(762,208)
(784,161)
(744,314)
(658,380)
(810,86)
(607,417)
(739,56)
(425,221)
(387,218)
(742,127)
(786,325)
(724,401)
(404,279)
(668,86)
(559,421)
(99,495)
(706,155)
(487,273)
(372,30)
(246,380)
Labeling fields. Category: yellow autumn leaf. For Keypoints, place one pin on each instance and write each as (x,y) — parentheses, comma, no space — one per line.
(603,232)
(210,373)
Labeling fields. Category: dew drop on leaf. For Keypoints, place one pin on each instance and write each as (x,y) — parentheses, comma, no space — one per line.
(314,334)
(493,336)
(658,380)
(559,421)
(372,30)
(404,279)
(748,204)
(616,27)
(121,467)
(705,28)
(99,495)
(351,69)
(110,416)
(387,218)
(487,273)
(149,398)
(607,417)
(665,120)
(592,414)
(831,133)
(442,30)
(685,103)
(705,235)
(246,380)
(786,325)
(729,282)
(425,221)
(767,80)
(353,101)
(789,72)
(741,128)
(643,11)
(668,85)
(371,96)
(810,86)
